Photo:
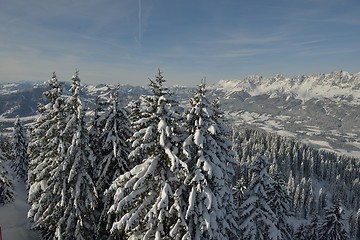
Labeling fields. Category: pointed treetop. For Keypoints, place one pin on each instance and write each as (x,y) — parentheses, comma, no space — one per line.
(75,83)
(76,73)
(55,89)
(157,85)
(202,87)
(17,119)
(53,79)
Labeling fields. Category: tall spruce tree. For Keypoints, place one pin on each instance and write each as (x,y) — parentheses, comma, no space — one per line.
(113,148)
(333,227)
(44,130)
(312,232)
(279,202)
(74,183)
(6,185)
(300,233)
(146,201)
(357,225)
(210,212)
(114,133)
(97,124)
(136,110)
(20,143)
(352,225)
(46,149)
(257,219)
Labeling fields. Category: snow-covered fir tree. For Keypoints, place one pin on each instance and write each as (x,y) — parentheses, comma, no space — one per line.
(20,143)
(333,227)
(113,148)
(49,115)
(6,185)
(322,201)
(46,150)
(239,190)
(279,202)
(312,231)
(210,212)
(300,233)
(135,114)
(61,192)
(257,219)
(146,201)
(357,225)
(78,196)
(95,128)
(352,225)
(5,146)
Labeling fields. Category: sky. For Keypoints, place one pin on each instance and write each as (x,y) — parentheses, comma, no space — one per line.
(127,41)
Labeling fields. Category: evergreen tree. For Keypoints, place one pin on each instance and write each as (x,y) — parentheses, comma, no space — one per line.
(299,200)
(46,149)
(19,149)
(5,147)
(6,186)
(73,181)
(113,127)
(300,233)
(146,201)
(221,133)
(333,227)
(352,225)
(134,107)
(322,201)
(62,194)
(210,212)
(257,219)
(279,202)
(313,228)
(114,132)
(97,124)
(44,130)
(291,188)
(358,224)
(239,191)
(307,194)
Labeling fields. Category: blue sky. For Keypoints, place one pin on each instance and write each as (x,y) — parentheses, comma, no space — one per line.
(126,41)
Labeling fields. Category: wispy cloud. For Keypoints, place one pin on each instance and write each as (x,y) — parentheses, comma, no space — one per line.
(242,53)
(242,39)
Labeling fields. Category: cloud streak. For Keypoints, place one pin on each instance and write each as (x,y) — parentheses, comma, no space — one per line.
(140,20)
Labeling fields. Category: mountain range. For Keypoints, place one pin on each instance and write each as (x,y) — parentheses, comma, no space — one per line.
(321,110)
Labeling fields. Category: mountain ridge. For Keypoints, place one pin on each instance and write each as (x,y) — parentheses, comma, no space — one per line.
(321,109)
(305,87)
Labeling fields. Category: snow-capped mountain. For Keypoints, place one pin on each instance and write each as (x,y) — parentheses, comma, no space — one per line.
(321,109)
(336,85)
